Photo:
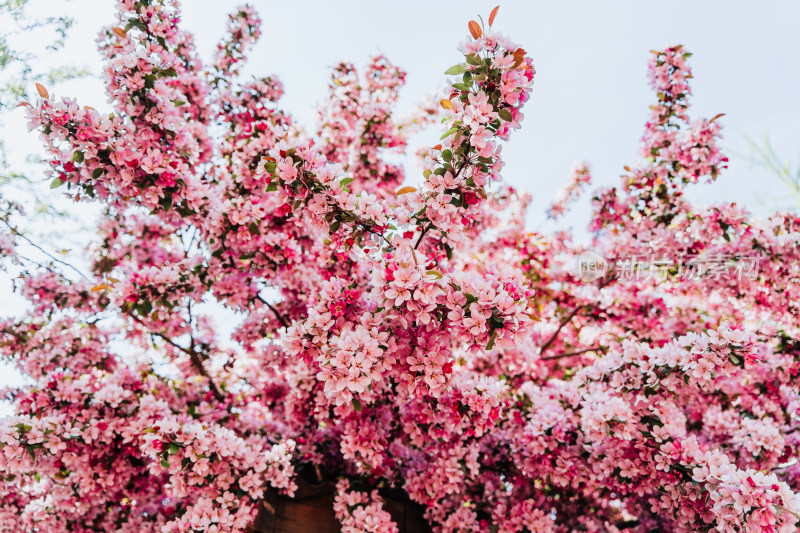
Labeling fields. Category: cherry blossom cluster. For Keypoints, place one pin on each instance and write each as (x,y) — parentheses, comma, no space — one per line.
(485,104)
(579,179)
(243,31)
(360,511)
(261,302)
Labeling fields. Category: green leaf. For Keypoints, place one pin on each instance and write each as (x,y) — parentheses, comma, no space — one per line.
(77,157)
(58,182)
(356,405)
(134,22)
(96,173)
(273,186)
(345,182)
(456,69)
(447,155)
(448,251)
(164,463)
(271,166)
(472,59)
(461,87)
(448,133)
(491,342)
(166,203)
(173,449)
(505,114)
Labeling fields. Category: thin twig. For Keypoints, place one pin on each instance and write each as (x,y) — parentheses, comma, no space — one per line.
(571,315)
(563,323)
(421,235)
(194,357)
(570,354)
(191,241)
(280,317)
(45,252)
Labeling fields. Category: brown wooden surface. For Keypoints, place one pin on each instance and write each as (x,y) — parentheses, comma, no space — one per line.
(311,511)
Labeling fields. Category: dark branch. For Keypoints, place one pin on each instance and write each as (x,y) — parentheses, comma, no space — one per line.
(563,323)
(17,233)
(570,354)
(607,280)
(421,235)
(194,357)
(280,317)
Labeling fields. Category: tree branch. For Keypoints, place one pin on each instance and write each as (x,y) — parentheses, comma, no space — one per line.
(17,233)
(571,315)
(570,354)
(280,317)
(563,323)
(194,357)
(421,235)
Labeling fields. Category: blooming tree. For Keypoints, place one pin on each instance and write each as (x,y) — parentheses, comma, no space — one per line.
(391,336)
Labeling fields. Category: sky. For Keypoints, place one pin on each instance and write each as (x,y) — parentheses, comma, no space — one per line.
(590,98)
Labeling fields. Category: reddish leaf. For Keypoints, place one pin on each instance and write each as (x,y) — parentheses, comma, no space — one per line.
(119,32)
(492,15)
(475,30)
(42,91)
(447,104)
